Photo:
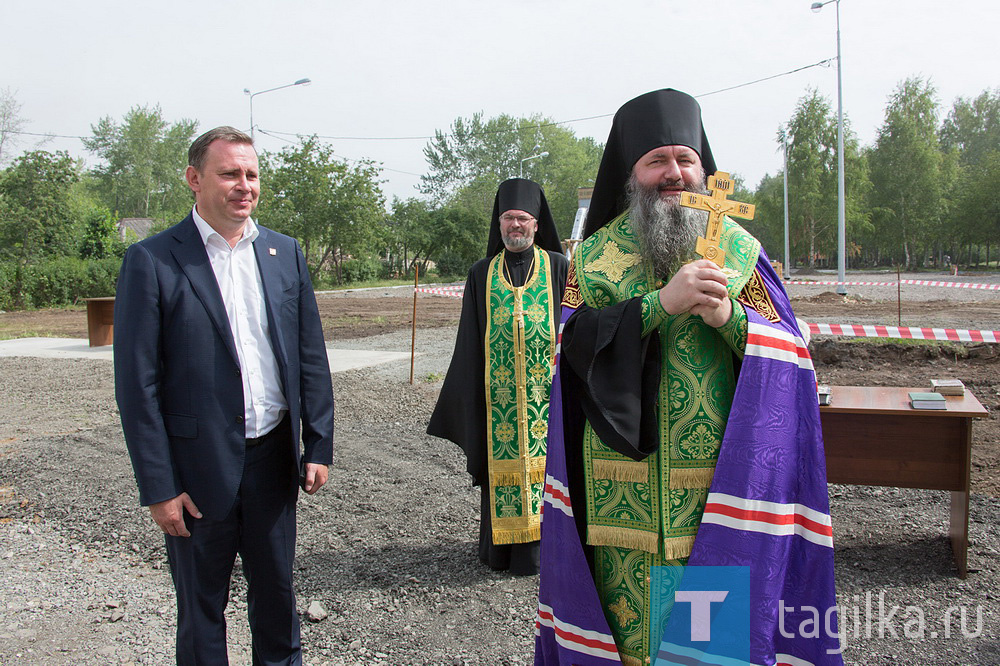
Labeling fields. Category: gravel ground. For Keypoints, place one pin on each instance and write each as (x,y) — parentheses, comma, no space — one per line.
(388,547)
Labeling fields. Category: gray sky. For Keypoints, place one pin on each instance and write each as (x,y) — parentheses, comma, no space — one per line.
(400,68)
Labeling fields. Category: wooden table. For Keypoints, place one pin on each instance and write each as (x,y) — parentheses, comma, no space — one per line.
(101,320)
(873,437)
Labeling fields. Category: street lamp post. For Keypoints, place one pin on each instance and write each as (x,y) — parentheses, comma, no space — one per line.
(841,231)
(787,264)
(246,91)
(520,172)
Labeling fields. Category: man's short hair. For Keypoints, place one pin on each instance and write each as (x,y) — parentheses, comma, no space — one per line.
(198,149)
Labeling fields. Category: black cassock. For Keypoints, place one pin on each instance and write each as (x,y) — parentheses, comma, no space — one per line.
(460,414)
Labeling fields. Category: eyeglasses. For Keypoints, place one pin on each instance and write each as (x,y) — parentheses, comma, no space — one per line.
(523,219)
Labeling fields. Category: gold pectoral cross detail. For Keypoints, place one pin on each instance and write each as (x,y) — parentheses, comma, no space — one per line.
(717,205)
(519,306)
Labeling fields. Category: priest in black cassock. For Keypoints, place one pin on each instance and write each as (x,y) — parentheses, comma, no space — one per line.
(495,399)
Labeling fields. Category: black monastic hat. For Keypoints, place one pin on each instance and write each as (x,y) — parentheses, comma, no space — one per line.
(526,195)
(665,117)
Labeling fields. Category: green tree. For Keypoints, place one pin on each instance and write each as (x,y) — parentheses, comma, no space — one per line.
(335,210)
(460,239)
(101,238)
(906,170)
(857,207)
(144,158)
(36,218)
(812,179)
(977,203)
(768,224)
(411,239)
(451,236)
(466,164)
(970,137)
(973,127)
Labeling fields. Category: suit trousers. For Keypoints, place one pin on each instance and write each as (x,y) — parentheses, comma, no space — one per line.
(261,528)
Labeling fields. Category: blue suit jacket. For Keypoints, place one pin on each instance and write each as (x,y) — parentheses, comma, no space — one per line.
(177,375)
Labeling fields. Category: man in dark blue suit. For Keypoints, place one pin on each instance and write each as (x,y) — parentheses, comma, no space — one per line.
(220,371)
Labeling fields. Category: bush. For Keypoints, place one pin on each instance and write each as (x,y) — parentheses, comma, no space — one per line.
(60,281)
(8,279)
(100,236)
(363,270)
(453,264)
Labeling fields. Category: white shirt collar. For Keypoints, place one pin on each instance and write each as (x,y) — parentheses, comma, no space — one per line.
(205,229)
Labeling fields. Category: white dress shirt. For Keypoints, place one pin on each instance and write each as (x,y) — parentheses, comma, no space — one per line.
(238,276)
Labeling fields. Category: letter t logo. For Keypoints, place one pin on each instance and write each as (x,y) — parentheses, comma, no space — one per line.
(701,610)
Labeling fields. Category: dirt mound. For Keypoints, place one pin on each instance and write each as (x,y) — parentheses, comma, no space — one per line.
(862,352)
(832,298)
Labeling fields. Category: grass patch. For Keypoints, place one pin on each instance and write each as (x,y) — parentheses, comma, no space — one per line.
(13,333)
(364,284)
(82,307)
(321,285)
(18,332)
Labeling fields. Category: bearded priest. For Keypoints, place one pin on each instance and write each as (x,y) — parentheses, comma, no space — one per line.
(495,400)
(684,427)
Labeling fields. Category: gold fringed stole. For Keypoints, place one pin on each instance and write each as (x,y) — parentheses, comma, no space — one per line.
(520,347)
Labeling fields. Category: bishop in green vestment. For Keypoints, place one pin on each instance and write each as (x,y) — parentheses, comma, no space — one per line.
(654,346)
(495,398)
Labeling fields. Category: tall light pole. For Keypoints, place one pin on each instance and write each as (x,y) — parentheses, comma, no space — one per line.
(246,91)
(520,173)
(787,266)
(841,226)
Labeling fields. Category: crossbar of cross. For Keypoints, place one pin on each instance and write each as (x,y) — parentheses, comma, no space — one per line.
(717,204)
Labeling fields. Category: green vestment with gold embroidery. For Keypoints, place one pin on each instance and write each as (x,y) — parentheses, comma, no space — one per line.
(520,348)
(646,513)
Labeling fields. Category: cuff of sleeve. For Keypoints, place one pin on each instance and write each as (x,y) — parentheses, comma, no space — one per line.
(734,331)
(653,312)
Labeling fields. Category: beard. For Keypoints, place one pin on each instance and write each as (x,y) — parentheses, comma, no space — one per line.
(667,231)
(516,244)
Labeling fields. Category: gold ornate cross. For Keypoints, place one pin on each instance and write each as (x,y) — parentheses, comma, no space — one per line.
(717,205)
(519,306)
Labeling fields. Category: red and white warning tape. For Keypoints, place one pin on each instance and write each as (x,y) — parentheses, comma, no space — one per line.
(904,332)
(832,282)
(925,283)
(442,291)
(856,330)
(961,285)
(457,291)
